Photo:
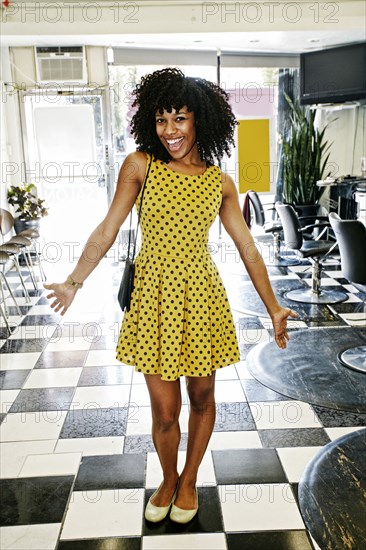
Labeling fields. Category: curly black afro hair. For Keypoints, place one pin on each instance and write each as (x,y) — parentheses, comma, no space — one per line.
(169,89)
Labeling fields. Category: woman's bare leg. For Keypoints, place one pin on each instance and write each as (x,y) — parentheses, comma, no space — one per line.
(201,392)
(166,403)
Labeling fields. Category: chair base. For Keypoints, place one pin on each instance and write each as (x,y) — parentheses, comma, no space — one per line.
(309,297)
(354,358)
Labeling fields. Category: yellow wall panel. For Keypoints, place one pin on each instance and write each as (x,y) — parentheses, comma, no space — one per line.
(254,155)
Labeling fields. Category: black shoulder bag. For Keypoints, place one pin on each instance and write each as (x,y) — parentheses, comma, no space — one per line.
(126,286)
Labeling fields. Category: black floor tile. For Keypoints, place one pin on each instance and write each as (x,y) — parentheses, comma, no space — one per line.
(105,376)
(138,444)
(302,437)
(247,466)
(255,391)
(41,320)
(2,416)
(32,292)
(4,333)
(95,422)
(349,307)
(331,418)
(43,399)
(34,500)
(144,443)
(232,417)
(111,472)
(25,345)
(124,543)
(60,359)
(269,540)
(207,520)
(13,379)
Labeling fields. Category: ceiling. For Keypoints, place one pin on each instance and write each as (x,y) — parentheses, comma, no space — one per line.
(293,42)
(262,26)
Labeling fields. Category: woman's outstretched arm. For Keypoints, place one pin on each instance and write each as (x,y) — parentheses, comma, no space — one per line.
(233,221)
(129,183)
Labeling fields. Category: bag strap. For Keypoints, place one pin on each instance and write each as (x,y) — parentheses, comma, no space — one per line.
(138,216)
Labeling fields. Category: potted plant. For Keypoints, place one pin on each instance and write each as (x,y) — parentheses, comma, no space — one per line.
(29,208)
(305,156)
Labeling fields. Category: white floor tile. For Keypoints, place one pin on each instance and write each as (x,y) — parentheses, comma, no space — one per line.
(355,319)
(252,336)
(334,433)
(334,274)
(295,459)
(283,414)
(30,332)
(259,507)
(17,361)
(101,358)
(234,440)
(32,426)
(22,301)
(137,377)
(154,476)
(30,537)
(227,373)
(51,465)
(13,455)
(101,397)
(140,395)
(201,541)
(53,378)
(351,288)
(77,343)
(243,371)
(228,391)
(110,513)
(352,299)
(91,446)
(326,281)
(7,398)
(139,420)
(42,310)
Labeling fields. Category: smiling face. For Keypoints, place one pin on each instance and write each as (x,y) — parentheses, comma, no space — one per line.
(177,132)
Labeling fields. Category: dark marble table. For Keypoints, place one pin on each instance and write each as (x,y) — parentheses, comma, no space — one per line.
(332,494)
(308,370)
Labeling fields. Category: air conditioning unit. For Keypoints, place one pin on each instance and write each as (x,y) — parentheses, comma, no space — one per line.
(64,64)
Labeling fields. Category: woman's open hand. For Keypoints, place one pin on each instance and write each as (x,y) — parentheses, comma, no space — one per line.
(63,294)
(279,322)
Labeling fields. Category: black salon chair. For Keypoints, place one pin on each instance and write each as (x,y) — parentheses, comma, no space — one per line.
(272,229)
(313,249)
(351,238)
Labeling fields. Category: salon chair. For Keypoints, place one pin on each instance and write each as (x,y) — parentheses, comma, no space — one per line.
(351,239)
(312,249)
(272,229)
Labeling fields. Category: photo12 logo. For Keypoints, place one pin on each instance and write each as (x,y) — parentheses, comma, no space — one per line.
(70,12)
(269,12)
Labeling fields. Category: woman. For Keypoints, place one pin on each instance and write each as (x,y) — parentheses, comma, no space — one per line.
(180,322)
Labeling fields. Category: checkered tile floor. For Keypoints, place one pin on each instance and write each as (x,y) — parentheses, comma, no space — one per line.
(77,459)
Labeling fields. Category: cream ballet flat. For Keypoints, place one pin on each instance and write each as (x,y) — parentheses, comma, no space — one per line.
(157,513)
(183,516)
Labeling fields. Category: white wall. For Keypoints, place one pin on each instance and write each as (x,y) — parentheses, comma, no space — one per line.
(10,138)
(346,132)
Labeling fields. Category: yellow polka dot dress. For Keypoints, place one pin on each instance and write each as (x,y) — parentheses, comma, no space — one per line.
(179,323)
